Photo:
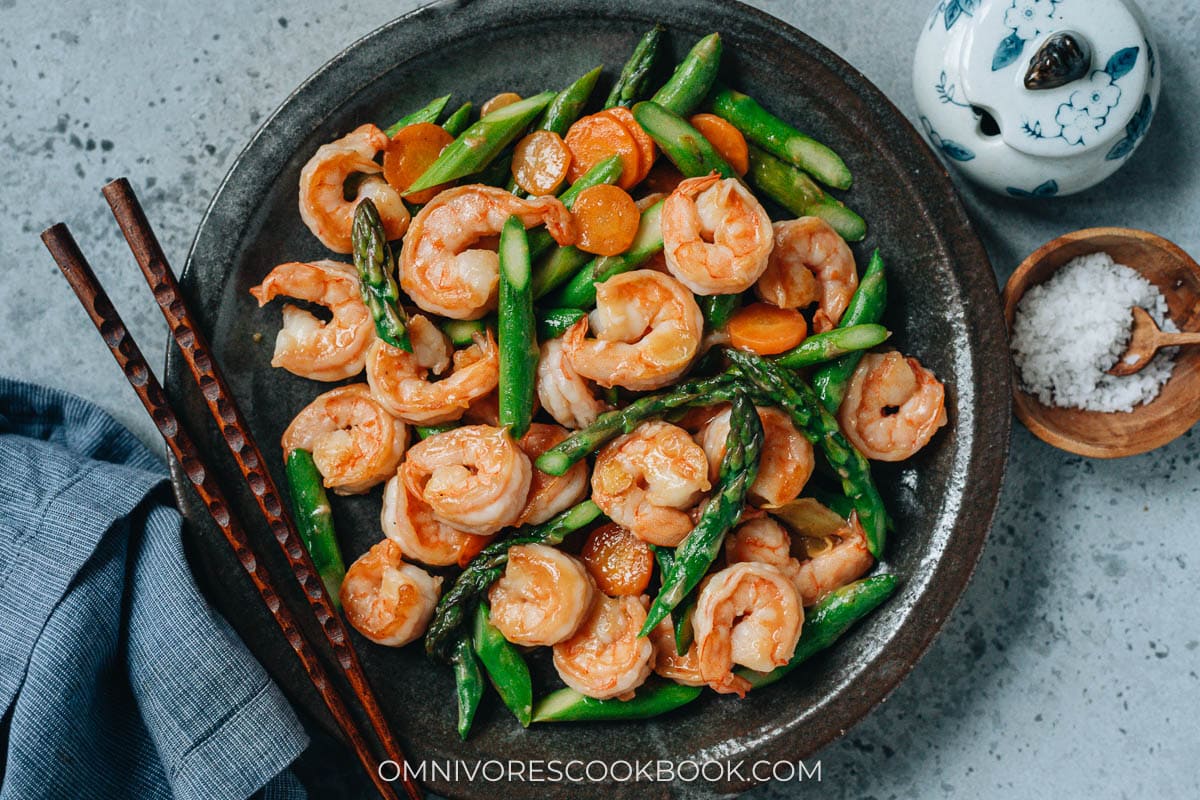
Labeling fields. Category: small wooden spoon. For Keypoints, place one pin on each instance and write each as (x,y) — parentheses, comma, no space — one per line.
(1147,339)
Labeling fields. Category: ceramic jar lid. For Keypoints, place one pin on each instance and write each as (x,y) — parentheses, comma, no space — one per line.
(1036,98)
(1094,45)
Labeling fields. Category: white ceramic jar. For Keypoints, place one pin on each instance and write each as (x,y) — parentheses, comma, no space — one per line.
(1036,98)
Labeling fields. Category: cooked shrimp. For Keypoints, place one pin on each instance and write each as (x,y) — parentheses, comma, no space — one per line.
(564,394)
(605,658)
(549,494)
(386,600)
(401,382)
(430,346)
(747,614)
(647,481)
(685,668)
(409,522)
(474,478)
(716,235)
(893,407)
(848,560)
(648,330)
(810,264)
(763,541)
(648,200)
(323,204)
(543,596)
(441,267)
(485,410)
(306,346)
(787,456)
(354,441)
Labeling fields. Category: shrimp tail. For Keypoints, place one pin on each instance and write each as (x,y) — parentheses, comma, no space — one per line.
(559,221)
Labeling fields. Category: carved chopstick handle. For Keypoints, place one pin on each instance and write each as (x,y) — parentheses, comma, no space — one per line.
(236,433)
(108,322)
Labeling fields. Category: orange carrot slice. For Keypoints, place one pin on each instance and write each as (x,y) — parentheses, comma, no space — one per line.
(727,139)
(540,162)
(409,154)
(594,138)
(620,563)
(498,102)
(607,220)
(766,329)
(646,148)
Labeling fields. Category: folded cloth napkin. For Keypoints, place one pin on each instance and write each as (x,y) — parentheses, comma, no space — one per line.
(116,679)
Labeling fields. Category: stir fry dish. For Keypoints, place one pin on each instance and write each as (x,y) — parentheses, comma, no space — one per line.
(616,410)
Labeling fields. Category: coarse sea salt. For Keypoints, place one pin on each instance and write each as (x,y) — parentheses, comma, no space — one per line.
(1069,331)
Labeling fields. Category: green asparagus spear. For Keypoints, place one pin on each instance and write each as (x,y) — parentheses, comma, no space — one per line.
(429,113)
(780,139)
(685,146)
(554,322)
(518,339)
(718,308)
(580,291)
(786,390)
(562,264)
(468,684)
(825,623)
(497,173)
(505,666)
(693,78)
(631,84)
(797,192)
(376,281)
(457,122)
(607,171)
(425,431)
(611,424)
(653,698)
(314,519)
(681,619)
(479,144)
(695,554)
(837,503)
(462,332)
(823,347)
(485,568)
(866,307)
(568,104)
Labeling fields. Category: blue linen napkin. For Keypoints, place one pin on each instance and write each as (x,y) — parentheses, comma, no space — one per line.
(116,679)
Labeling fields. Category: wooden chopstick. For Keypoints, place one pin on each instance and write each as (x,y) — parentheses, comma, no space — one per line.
(129,357)
(194,346)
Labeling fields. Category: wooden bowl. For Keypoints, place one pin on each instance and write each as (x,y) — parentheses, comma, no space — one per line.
(1177,408)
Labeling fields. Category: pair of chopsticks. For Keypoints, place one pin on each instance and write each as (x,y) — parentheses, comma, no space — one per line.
(194,347)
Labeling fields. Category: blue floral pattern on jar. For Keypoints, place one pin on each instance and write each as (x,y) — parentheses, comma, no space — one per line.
(951,11)
(1047,189)
(1026,19)
(951,148)
(1134,131)
(1086,111)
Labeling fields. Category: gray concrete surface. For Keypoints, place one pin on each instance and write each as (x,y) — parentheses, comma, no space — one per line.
(1070,667)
